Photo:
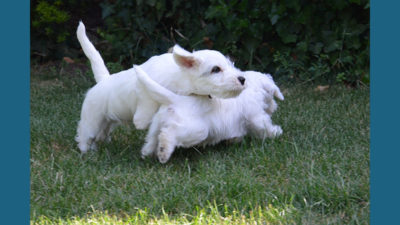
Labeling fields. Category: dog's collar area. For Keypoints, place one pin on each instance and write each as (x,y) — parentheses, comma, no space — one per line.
(208,96)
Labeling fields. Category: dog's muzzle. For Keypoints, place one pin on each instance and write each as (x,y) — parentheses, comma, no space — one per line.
(241,80)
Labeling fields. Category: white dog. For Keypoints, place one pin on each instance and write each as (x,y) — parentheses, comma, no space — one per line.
(118,98)
(185,121)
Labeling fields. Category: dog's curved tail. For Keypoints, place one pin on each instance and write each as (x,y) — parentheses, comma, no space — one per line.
(157,92)
(98,67)
(272,86)
(278,94)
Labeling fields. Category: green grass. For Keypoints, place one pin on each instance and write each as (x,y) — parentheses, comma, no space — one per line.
(317,172)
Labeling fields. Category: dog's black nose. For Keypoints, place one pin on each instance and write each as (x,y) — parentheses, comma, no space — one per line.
(241,79)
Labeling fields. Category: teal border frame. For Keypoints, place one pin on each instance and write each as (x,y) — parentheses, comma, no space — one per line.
(385,112)
(14,98)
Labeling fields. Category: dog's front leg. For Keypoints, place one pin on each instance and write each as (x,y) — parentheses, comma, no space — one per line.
(166,144)
(145,110)
(149,148)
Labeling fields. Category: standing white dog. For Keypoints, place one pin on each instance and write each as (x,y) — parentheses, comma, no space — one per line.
(185,121)
(118,98)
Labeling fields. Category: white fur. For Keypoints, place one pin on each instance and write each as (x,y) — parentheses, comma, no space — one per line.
(118,98)
(185,121)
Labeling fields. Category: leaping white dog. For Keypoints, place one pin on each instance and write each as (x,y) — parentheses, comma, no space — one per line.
(118,98)
(186,121)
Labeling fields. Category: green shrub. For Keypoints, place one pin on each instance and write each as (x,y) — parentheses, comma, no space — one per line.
(323,40)
(47,22)
(53,26)
(138,30)
(296,40)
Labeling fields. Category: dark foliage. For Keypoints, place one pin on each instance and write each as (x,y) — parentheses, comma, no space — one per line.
(298,40)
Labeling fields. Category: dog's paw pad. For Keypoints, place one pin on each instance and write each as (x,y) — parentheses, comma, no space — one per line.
(162,158)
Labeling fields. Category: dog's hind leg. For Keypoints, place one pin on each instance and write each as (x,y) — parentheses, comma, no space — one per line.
(104,131)
(85,138)
(84,145)
(262,126)
(90,130)
(109,129)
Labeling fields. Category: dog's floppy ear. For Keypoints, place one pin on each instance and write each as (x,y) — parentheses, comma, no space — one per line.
(184,58)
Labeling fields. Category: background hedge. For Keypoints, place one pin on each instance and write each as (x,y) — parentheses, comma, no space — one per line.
(296,40)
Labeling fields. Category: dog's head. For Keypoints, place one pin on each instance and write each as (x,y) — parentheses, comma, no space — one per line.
(211,72)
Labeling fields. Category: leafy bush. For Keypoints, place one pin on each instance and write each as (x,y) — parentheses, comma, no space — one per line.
(326,40)
(53,26)
(46,23)
(297,40)
(138,30)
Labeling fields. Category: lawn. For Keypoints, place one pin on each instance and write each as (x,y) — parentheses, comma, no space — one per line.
(317,172)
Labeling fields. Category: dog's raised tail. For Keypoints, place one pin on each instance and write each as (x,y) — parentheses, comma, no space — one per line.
(278,94)
(99,69)
(275,89)
(157,92)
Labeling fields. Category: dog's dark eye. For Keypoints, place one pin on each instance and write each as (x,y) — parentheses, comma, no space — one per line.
(216,69)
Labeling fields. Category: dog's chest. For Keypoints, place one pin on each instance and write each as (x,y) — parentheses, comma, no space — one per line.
(225,123)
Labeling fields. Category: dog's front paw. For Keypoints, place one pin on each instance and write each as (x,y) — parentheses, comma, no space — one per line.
(143,156)
(162,155)
(147,150)
(144,153)
(140,124)
(276,131)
